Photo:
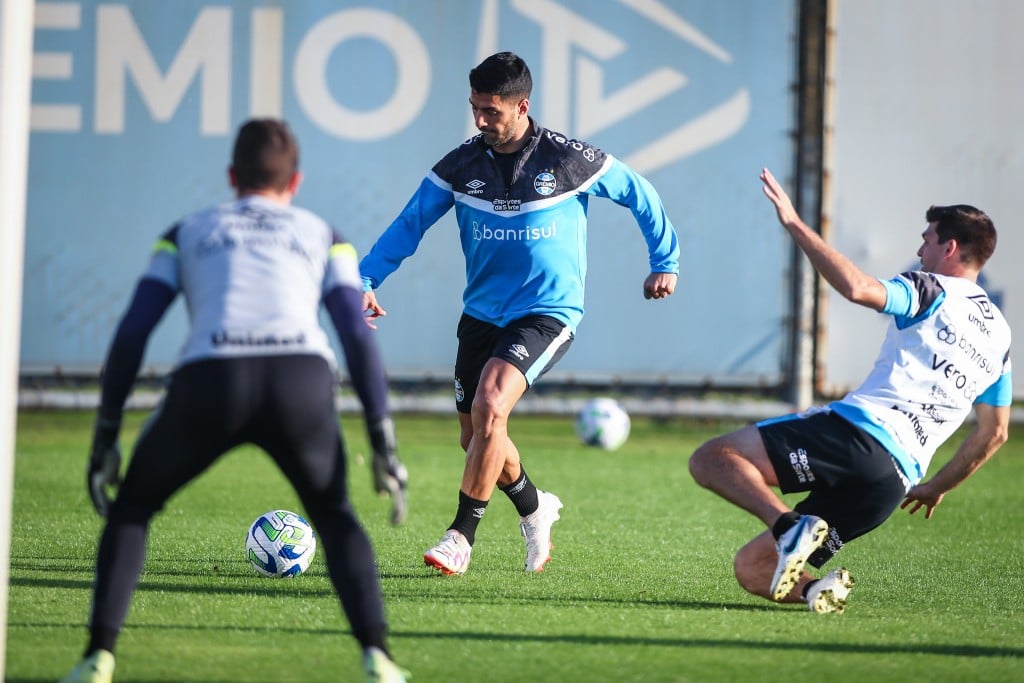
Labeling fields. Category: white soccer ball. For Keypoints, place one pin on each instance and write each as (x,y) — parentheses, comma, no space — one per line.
(280,544)
(602,422)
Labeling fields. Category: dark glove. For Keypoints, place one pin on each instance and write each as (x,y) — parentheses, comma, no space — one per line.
(104,464)
(389,474)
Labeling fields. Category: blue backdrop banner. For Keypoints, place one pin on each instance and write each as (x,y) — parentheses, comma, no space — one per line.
(135,105)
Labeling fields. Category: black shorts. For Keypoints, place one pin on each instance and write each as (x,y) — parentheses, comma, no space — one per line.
(854,483)
(283,404)
(533,344)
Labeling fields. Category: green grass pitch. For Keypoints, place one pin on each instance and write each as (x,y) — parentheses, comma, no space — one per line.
(640,587)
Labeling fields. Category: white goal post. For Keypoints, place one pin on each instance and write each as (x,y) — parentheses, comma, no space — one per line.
(16,28)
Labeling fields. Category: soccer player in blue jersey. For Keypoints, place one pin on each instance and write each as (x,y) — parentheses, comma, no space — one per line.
(520,194)
(947,351)
(256,368)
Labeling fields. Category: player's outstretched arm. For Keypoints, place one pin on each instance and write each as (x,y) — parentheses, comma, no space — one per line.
(981,444)
(839,271)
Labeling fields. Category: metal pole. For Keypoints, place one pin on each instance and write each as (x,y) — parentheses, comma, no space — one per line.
(808,172)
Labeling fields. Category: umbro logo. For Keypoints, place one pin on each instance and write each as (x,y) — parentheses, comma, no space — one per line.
(519,351)
(984,305)
(475,186)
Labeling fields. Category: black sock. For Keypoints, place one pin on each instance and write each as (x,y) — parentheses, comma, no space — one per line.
(468,516)
(785,522)
(522,493)
(101,639)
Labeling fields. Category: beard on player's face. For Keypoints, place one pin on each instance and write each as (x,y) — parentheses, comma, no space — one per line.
(498,137)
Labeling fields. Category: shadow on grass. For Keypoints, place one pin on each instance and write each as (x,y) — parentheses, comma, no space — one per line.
(937,649)
(955,650)
(289,589)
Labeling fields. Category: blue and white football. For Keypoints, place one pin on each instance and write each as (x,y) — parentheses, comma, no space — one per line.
(280,544)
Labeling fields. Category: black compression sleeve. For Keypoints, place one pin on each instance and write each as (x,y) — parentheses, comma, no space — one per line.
(362,356)
(148,305)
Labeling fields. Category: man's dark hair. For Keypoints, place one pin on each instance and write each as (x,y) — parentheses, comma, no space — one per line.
(503,74)
(970,227)
(266,155)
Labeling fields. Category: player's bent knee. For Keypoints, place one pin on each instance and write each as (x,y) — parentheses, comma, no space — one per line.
(755,563)
(490,409)
(748,579)
(700,464)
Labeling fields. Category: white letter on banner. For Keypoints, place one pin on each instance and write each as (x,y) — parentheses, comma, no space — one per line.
(265,62)
(120,48)
(55,66)
(411,89)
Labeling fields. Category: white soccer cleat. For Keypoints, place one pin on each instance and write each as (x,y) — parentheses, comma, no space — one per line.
(96,668)
(536,530)
(828,594)
(380,668)
(795,547)
(451,555)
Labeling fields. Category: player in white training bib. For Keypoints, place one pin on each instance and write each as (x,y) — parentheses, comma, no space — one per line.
(947,351)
